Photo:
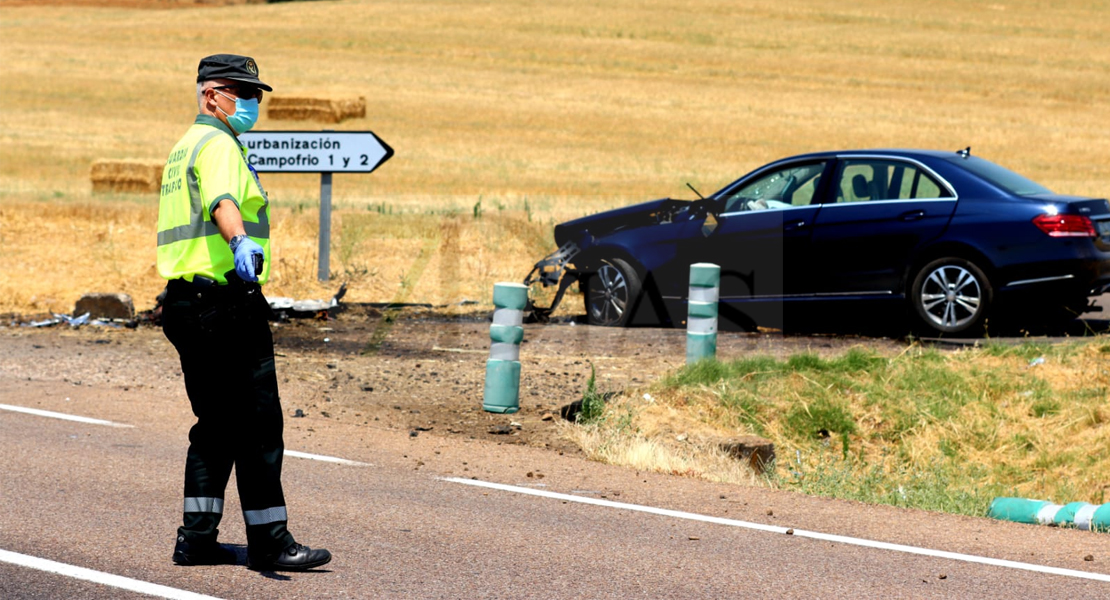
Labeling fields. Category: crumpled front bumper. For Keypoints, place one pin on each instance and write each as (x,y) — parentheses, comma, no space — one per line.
(553,269)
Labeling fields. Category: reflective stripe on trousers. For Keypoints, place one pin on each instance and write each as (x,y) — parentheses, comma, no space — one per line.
(265,516)
(204,505)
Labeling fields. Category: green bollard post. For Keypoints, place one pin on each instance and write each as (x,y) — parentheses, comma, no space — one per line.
(1022,510)
(701,319)
(1081,515)
(502,393)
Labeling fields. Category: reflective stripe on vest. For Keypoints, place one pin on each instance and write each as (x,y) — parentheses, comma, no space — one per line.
(197,226)
(199,174)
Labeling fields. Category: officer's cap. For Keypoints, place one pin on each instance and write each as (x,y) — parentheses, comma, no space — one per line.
(230,66)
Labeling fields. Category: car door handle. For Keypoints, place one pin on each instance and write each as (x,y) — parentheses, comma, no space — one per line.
(794,225)
(912,215)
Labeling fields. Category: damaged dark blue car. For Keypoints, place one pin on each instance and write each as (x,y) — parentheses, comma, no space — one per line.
(948,237)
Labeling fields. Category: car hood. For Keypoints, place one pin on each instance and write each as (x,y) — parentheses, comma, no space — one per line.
(585,230)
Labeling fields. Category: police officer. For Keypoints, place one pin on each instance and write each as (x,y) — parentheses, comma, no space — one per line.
(213,246)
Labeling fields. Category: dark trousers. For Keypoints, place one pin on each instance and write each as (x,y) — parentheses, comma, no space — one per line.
(227,360)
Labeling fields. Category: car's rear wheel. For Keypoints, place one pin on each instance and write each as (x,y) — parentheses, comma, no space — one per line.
(612,292)
(951,295)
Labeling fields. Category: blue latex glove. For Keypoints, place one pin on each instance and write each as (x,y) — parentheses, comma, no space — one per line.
(244,259)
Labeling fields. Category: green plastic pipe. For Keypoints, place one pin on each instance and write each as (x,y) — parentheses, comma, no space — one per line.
(1080,515)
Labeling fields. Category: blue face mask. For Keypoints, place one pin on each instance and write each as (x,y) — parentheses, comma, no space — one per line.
(245,115)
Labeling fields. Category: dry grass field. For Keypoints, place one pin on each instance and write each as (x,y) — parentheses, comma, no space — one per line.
(541,111)
(944,431)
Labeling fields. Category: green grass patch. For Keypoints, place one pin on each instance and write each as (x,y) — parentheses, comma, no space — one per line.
(593,401)
(936,486)
(935,430)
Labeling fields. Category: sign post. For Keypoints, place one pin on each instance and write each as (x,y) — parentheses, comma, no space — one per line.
(323,152)
(324,255)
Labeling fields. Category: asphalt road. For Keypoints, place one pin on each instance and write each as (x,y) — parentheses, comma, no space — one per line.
(108,498)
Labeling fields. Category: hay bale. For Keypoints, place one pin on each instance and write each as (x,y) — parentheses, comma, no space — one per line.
(351,108)
(127,176)
(307,108)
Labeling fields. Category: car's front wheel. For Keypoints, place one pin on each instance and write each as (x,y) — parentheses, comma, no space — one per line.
(612,292)
(951,295)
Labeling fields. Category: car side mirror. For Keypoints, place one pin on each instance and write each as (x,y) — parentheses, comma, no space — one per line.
(710,225)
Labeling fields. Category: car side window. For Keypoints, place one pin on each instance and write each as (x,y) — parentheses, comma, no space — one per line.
(793,185)
(863,180)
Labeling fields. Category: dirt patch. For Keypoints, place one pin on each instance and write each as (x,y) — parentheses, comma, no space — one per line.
(415,370)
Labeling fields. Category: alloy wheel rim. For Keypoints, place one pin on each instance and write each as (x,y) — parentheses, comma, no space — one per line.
(610,298)
(951,297)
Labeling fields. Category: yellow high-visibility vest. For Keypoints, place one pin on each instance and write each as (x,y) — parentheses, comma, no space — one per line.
(207,166)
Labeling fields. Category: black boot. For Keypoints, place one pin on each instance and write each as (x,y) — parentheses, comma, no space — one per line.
(211,553)
(293,558)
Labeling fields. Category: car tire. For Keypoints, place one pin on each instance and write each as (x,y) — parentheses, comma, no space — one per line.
(951,295)
(612,293)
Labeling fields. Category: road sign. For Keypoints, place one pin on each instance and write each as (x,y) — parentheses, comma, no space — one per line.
(315,151)
(323,152)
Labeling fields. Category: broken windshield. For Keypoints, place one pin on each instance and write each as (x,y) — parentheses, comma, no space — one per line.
(791,185)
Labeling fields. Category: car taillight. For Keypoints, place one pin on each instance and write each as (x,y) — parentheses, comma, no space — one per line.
(1065,225)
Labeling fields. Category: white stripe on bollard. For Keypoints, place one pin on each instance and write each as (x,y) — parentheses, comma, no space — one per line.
(502,351)
(1047,514)
(508,316)
(701,325)
(705,294)
(1084,516)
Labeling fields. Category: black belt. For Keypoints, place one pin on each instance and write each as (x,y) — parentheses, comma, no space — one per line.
(204,288)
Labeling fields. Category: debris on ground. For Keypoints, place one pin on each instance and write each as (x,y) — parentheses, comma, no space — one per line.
(759,453)
(75,322)
(106,306)
(288,308)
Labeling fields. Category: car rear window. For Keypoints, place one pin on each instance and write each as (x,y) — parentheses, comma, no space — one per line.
(1001,176)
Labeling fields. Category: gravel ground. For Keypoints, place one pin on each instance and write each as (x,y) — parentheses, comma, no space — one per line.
(421,372)
(390,524)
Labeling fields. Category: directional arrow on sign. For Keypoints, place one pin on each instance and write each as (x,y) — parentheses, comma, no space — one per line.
(315,151)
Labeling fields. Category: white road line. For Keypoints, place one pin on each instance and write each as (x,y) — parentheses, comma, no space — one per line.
(126,583)
(56,415)
(63,416)
(331,459)
(775,529)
